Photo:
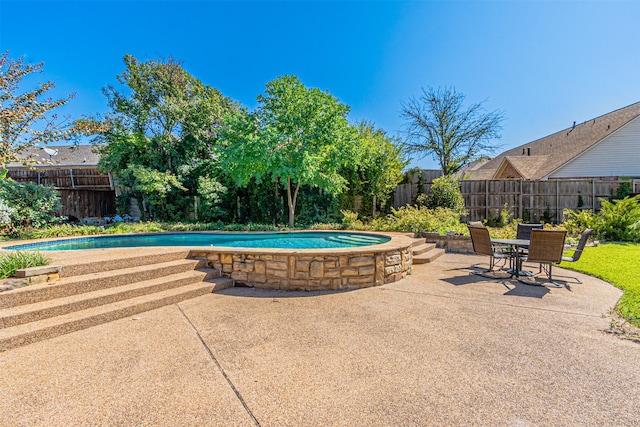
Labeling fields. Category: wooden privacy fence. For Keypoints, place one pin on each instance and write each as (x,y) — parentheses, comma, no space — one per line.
(84,192)
(530,200)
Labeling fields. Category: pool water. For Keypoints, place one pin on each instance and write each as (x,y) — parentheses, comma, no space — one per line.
(300,240)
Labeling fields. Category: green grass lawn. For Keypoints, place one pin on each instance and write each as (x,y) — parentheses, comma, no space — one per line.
(618,264)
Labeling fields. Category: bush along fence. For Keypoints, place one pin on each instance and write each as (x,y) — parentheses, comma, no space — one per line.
(533,201)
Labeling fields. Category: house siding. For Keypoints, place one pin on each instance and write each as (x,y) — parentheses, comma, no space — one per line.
(616,155)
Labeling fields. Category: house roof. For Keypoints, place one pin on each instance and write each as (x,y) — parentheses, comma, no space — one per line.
(65,155)
(539,158)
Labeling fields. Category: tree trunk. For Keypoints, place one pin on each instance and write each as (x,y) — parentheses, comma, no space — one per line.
(374,206)
(291,200)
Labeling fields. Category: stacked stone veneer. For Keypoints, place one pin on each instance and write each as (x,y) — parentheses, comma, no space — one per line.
(451,243)
(314,269)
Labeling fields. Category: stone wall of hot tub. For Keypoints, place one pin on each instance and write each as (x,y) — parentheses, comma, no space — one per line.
(300,271)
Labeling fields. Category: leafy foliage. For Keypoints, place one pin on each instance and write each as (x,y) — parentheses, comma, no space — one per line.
(378,171)
(26,117)
(297,136)
(16,260)
(618,220)
(32,205)
(409,219)
(6,212)
(161,134)
(445,192)
(210,192)
(437,124)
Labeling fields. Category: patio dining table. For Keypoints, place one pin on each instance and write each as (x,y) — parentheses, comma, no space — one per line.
(515,245)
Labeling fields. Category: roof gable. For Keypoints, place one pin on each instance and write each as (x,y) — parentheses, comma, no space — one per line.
(560,147)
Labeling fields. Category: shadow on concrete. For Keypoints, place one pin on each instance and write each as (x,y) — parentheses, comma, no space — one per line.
(515,288)
(521,290)
(247,292)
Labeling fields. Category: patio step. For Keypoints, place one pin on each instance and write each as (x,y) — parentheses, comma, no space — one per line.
(95,281)
(424,247)
(39,330)
(93,292)
(21,314)
(427,256)
(105,261)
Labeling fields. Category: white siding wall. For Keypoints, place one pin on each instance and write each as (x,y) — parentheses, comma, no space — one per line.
(616,155)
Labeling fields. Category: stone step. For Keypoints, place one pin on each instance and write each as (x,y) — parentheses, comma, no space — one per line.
(417,241)
(424,247)
(55,326)
(96,281)
(428,256)
(21,314)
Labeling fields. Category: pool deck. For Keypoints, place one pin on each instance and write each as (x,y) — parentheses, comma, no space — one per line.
(440,347)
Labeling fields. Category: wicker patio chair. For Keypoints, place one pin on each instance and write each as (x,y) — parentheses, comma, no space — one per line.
(482,245)
(546,249)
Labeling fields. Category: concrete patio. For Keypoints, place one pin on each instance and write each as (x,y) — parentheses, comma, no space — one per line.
(441,347)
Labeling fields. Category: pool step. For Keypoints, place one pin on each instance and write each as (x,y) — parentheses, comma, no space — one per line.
(91,296)
(424,253)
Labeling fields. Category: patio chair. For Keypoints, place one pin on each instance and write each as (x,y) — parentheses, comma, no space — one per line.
(546,249)
(524,230)
(476,224)
(482,245)
(524,233)
(578,252)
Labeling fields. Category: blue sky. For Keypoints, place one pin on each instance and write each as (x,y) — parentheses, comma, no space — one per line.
(544,64)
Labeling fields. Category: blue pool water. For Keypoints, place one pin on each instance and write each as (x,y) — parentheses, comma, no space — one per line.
(301,240)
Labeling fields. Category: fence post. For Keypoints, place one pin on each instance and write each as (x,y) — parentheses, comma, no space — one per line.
(557,200)
(520,211)
(486,199)
(593,196)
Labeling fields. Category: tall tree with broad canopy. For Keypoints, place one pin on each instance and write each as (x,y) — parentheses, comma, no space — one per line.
(161,133)
(380,166)
(26,116)
(297,136)
(438,124)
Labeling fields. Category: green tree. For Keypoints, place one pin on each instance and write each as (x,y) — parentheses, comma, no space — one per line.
(162,128)
(438,124)
(26,116)
(379,167)
(297,136)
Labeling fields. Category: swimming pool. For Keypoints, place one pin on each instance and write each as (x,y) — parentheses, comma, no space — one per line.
(285,240)
(306,260)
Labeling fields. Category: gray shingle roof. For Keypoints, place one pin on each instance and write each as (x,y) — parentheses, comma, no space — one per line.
(549,153)
(66,156)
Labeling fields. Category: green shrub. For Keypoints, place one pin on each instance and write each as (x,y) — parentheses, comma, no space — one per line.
(504,217)
(417,219)
(32,205)
(577,221)
(350,221)
(620,219)
(445,193)
(6,212)
(15,260)
(60,230)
